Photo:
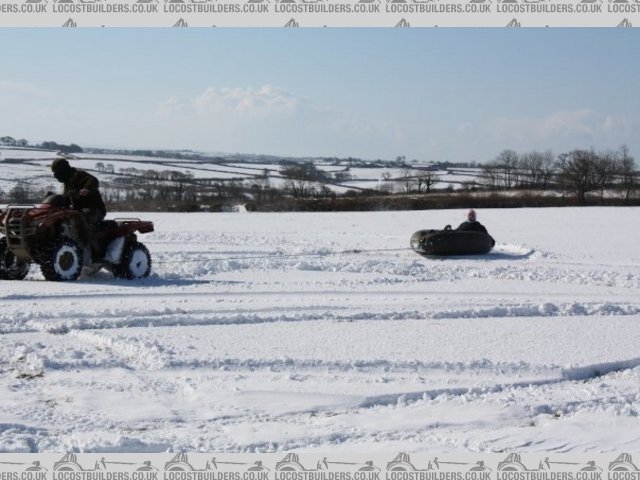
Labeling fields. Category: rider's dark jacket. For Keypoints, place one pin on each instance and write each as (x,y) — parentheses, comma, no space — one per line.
(79,180)
(474,226)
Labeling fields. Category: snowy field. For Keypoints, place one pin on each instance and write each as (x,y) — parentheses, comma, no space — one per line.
(324,332)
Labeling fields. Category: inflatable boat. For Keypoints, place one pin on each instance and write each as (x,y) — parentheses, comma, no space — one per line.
(451,242)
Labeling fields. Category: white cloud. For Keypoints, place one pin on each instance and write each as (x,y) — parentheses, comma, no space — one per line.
(273,119)
(18,88)
(173,105)
(465,127)
(576,122)
(617,124)
(569,124)
(238,104)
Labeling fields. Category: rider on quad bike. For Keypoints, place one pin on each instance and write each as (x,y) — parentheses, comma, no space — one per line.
(65,233)
(81,189)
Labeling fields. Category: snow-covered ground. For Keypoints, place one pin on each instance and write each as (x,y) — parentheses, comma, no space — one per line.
(324,332)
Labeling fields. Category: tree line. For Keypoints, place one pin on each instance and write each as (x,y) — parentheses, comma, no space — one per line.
(577,172)
(8,141)
(579,175)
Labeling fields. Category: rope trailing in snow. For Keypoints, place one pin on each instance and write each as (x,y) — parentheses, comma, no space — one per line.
(283,255)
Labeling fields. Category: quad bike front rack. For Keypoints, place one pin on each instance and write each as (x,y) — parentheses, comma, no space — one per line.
(15,229)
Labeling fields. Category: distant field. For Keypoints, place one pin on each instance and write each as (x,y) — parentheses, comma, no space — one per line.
(32,166)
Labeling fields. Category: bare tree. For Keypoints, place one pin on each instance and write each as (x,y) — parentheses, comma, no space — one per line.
(537,169)
(627,171)
(490,177)
(531,166)
(260,187)
(577,172)
(426,179)
(343,176)
(548,169)
(507,164)
(406,179)
(605,167)
(301,177)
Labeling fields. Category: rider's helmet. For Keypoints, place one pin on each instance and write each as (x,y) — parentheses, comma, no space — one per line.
(61,169)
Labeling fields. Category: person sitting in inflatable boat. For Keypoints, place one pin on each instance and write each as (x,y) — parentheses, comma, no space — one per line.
(472,224)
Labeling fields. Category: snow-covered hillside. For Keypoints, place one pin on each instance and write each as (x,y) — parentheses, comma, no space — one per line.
(32,167)
(265,332)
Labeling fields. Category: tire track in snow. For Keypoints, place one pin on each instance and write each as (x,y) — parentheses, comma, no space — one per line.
(543,403)
(170,317)
(530,265)
(574,374)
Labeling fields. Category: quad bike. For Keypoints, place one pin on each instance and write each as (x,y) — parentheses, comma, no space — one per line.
(61,241)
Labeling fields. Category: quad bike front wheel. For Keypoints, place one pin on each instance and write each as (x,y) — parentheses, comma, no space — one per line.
(63,261)
(11,267)
(135,262)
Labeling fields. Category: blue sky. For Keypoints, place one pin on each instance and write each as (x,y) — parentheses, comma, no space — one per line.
(427,94)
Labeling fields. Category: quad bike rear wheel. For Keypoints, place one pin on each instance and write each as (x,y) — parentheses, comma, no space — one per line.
(11,267)
(134,263)
(63,261)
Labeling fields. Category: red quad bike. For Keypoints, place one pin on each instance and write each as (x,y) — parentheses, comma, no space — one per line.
(57,238)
